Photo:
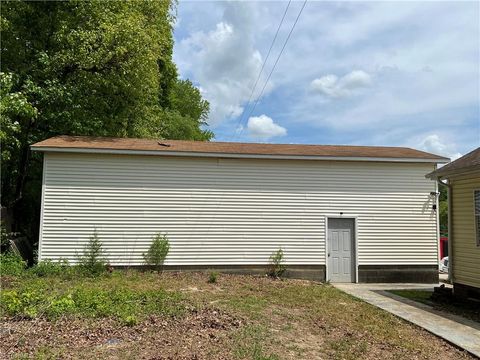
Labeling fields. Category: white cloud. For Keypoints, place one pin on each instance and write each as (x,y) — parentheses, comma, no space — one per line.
(223,61)
(332,86)
(264,128)
(434,144)
(423,75)
(355,80)
(326,85)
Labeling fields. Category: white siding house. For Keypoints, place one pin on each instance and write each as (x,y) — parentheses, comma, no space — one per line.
(231,210)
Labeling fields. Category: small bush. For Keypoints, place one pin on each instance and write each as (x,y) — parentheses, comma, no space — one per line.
(12,264)
(49,267)
(60,306)
(24,303)
(212,277)
(10,302)
(157,252)
(92,261)
(276,266)
(130,320)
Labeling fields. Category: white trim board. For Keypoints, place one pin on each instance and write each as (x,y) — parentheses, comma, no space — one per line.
(42,201)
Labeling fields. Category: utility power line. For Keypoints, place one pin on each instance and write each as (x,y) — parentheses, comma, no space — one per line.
(275,64)
(263,66)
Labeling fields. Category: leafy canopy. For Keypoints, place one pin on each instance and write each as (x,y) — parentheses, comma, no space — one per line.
(98,68)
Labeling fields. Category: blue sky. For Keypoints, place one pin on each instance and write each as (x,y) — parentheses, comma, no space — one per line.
(360,73)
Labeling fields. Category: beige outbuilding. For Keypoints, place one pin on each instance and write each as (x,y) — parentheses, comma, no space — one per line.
(463,181)
(339,213)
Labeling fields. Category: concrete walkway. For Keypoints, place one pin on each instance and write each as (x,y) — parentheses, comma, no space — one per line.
(457,330)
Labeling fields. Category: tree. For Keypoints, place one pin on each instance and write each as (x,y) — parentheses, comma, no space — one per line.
(186,102)
(92,261)
(101,68)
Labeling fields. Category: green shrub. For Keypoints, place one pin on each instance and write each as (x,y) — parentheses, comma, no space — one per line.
(12,264)
(276,267)
(60,306)
(10,301)
(130,320)
(212,277)
(157,252)
(23,303)
(92,261)
(49,267)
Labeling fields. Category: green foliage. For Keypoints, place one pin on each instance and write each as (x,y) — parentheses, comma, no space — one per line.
(158,251)
(443,210)
(130,320)
(12,264)
(101,68)
(188,112)
(276,267)
(121,303)
(24,303)
(62,305)
(212,277)
(51,268)
(92,261)
(443,217)
(5,237)
(14,108)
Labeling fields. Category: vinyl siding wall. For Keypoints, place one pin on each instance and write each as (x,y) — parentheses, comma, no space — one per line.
(234,211)
(466,253)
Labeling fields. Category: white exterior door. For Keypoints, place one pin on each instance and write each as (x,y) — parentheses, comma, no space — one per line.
(341,256)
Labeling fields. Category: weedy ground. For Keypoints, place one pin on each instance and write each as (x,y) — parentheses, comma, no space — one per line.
(143,315)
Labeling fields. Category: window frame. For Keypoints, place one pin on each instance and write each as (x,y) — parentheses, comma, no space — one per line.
(476,224)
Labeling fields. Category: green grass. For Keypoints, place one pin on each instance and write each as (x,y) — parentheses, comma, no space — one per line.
(422,296)
(250,305)
(249,343)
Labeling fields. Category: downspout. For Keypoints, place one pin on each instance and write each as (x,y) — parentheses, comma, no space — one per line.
(450,228)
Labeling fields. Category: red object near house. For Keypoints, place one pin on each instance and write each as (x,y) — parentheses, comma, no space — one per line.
(443,247)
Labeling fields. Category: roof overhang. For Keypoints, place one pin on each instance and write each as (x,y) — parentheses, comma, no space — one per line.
(231,155)
(439,174)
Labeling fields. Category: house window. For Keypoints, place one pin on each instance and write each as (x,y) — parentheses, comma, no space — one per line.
(477,216)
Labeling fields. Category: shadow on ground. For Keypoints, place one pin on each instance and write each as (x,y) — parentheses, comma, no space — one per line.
(430,308)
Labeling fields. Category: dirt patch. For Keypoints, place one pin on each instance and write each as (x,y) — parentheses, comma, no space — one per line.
(201,334)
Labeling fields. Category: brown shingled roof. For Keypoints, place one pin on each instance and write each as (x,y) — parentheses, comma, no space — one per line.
(468,162)
(70,143)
